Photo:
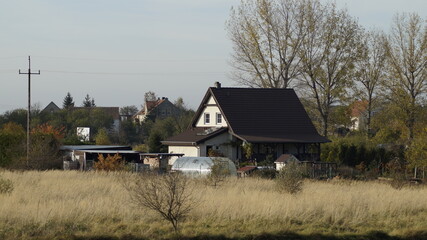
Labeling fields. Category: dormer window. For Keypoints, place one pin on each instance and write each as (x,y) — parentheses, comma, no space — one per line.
(207,118)
(218,118)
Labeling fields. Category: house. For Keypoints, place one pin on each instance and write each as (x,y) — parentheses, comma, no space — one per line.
(51,108)
(160,108)
(358,115)
(271,121)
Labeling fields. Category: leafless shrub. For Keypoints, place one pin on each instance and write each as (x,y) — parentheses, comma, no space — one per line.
(169,195)
(6,186)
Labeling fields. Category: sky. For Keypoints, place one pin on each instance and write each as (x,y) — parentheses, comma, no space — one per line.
(115,51)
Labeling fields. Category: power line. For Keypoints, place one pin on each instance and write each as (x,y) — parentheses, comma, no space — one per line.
(136,60)
(136,73)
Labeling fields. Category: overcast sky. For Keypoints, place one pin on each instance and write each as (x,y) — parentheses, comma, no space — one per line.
(115,51)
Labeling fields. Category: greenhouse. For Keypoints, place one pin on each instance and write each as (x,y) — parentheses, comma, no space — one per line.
(201,166)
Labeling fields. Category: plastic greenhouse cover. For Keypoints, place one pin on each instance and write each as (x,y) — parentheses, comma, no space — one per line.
(201,165)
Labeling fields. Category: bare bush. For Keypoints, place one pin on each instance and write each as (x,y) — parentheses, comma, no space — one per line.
(290,178)
(219,172)
(6,186)
(169,195)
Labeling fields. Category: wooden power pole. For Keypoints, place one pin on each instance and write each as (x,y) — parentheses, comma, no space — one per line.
(29,73)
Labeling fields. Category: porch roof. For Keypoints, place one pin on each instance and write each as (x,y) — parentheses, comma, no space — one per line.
(194,136)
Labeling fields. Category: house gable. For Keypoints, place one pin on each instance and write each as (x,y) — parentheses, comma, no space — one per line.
(210,115)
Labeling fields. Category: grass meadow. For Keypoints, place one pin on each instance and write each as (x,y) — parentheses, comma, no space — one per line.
(95,205)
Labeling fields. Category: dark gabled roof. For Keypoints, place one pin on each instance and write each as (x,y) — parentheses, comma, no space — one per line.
(264,115)
(51,107)
(193,136)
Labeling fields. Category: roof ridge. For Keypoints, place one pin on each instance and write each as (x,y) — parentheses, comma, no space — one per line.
(252,88)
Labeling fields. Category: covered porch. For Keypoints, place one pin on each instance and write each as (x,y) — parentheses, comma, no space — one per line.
(262,151)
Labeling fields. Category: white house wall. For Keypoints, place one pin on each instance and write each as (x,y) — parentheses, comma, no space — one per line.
(222,144)
(213,110)
(188,151)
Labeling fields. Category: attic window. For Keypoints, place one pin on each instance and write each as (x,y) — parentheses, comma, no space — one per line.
(207,118)
(218,118)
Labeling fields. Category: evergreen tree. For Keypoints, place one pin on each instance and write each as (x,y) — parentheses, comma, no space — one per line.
(88,102)
(68,101)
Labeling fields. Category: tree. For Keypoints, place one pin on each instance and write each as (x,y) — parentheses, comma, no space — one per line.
(370,72)
(150,96)
(169,195)
(406,49)
(88,102)
(102,137)
(68,101)
(154,142)
(109,163)
(266,36)
(12,139)
(179,103)
(329,52)
(290,178)
(219,172)
(128,110)
(416,154)
(45,148)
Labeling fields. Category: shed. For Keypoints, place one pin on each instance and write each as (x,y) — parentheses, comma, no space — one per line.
(246,171)
(201,166)
(285,159)
(158,161)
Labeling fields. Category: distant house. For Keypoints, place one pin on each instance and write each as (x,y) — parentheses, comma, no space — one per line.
(51,108)
(358,115)
(158,109)
(272,121)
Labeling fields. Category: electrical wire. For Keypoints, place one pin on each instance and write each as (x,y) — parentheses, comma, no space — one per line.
(135,73)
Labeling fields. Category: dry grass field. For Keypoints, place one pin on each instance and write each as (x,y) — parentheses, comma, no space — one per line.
(94,205)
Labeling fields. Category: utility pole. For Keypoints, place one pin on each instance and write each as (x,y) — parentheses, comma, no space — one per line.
(29,73)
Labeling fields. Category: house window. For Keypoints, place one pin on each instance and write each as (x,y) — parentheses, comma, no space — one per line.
(207,118)
(218,118)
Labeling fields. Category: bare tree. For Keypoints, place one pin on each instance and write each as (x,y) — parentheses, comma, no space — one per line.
(150,96)
(370,71)
(406,49)
(329,52)
(169,195)
(266,37)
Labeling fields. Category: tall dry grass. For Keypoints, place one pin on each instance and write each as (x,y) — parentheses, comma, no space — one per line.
(57,203)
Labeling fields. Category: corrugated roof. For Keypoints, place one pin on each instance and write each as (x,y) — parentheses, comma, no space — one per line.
(247,168)
(94,147)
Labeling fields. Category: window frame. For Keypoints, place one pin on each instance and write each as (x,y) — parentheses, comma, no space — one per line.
(207,118)
(218,117)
